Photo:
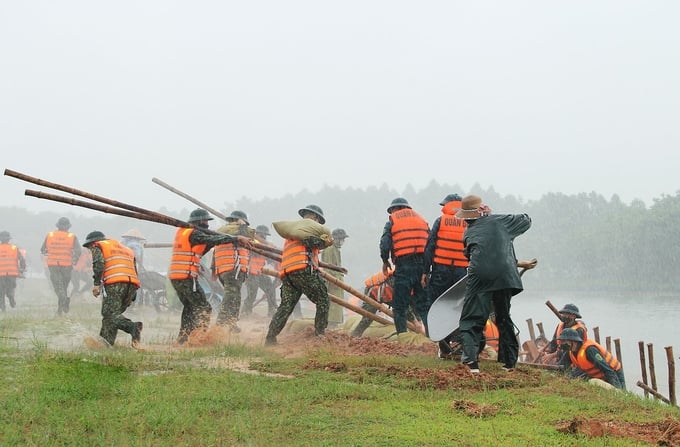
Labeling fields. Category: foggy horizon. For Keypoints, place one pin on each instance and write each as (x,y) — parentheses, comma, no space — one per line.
(225,100)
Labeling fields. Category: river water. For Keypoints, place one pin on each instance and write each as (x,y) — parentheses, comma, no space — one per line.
(650,319)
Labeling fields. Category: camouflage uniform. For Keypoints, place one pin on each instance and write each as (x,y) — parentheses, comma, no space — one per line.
(255,283)
(293,286)
(196,309)
(116,298)
(231,302)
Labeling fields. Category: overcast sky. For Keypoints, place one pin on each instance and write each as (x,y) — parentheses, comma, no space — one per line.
(224,99)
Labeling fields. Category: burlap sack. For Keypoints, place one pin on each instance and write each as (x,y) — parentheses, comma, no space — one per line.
(302,229)
(234,229)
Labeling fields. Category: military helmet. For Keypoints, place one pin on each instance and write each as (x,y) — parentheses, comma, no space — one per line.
(339,233)
(313,209)
(94,237)
(570,334)
(262,229)
(134,233)
(63,223)
(450,198)
(198,215)
(5,236)
(236,215)
(398,202)
(570,309)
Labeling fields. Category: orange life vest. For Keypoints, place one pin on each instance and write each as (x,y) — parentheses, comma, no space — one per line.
(575,326)
(409,232)
(228,257)
(185,258)
(378,287)
(9,260)
(448,248)
(491,334)
(582,362)
(119,263)
(84,261)
(59,246)
(297,257)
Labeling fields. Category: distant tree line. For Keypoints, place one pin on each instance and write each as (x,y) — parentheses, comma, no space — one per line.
(583,242)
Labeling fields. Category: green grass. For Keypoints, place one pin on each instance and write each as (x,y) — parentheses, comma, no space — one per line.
(56,393)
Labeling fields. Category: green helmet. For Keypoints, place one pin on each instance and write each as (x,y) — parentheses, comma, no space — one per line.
(5,236)
(570,309)
(198,215)
(262,229)
(570,335)
(93,237)
(63,223)
(313,209)
(450,198)
(398,202)
(339,233)
(236,215)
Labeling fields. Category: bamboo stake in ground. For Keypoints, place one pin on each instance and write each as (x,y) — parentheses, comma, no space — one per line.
(617,348)
(643,365)
(653,392)
(671,374)
(652,371)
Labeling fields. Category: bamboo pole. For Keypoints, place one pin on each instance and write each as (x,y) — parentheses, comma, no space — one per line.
(652,372)
(617,348)
(81,193)
(353,291)
(189,198)
(608,343)
(541,332)
(360,310)
(596,334)
(553,309)
(653,392)
(532,334)
(158,245)
(671,374)
(643,365)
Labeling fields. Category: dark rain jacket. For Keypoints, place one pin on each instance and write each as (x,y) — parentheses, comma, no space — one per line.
(488,245)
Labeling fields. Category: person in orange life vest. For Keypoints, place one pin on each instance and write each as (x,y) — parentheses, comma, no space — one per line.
(230,265)
(552,355)
(12,266)
(82,272)
(114,274)
(300,275)
(380,287)
(61,251)
(403,240)
(445,263)
(491,334)
(590,359)
(190,245)
(256,279)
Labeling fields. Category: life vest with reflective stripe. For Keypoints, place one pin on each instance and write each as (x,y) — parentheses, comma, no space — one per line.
(582,362)
(59,245)
(185,259)
(256,261)
(491,334)
(9,260)
(379,287)
(448,248)
(297,257)
(119,263)
(575,326)
(409,232)
(229,257)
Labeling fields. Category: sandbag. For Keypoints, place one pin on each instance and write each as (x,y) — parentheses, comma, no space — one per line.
(236,229)
(302,229)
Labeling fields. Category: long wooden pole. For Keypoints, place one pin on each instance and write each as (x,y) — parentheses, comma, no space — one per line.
(81,193)
(189,198)
(360,310)
(671,374)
